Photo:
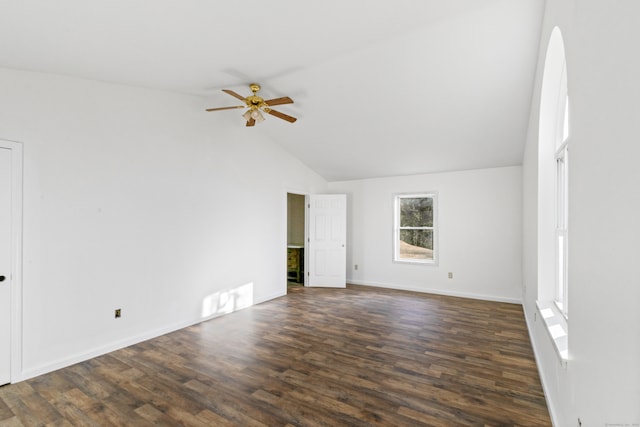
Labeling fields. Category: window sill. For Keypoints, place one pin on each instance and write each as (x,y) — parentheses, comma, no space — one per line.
(557,327)
(415,261)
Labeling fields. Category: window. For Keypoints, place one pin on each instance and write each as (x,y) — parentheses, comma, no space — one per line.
(553,197)
(562,210)
(415,228)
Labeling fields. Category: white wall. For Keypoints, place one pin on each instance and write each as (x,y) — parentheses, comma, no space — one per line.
(138,199)
(601,381)
(480,220)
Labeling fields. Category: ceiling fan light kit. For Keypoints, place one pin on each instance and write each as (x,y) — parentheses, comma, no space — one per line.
(256,105)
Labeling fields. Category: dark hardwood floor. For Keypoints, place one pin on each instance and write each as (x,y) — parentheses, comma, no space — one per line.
(317,357)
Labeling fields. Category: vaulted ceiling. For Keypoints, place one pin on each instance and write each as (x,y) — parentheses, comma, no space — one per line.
(381,87)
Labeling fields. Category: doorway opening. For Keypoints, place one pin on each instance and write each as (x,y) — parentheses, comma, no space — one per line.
(296,228)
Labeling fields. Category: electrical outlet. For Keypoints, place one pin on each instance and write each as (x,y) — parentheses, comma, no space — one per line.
(450,275)
(355,267)
(118,313)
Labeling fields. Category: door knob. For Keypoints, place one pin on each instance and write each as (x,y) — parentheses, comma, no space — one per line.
(2,278)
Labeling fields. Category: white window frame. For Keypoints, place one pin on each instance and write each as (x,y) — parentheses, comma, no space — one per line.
(553,177)
(562,229)
(396,227)
(561,297)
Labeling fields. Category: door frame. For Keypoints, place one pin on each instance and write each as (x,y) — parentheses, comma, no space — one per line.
(306,233)
(16,256)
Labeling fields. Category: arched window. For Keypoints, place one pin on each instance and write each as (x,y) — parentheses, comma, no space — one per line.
(553,172)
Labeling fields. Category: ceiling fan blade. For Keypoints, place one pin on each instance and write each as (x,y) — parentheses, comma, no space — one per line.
(232,93)
(251,122)
(282,116)
(226,108)
(279,101)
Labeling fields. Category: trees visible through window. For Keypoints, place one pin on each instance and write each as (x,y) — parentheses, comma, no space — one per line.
(415,231)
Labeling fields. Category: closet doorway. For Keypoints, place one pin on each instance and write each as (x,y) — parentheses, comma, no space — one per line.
(296,228)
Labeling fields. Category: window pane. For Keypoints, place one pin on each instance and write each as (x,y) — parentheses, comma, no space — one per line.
(560,190)
(561,266)
(416,244)
(416,212)
(565,128)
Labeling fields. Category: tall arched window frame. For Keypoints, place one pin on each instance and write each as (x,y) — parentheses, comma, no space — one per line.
(554,177)
(553,196)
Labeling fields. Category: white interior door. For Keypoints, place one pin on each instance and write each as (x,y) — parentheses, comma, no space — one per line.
(5,266)
(327,252)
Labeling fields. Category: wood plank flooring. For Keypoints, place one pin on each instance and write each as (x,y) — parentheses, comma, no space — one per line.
(359,356)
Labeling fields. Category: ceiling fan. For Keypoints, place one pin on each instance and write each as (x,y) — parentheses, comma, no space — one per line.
(256,105)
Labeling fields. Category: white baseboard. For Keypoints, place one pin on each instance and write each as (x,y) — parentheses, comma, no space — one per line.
(99,351)
(117,345)
(270,297)
(438,291)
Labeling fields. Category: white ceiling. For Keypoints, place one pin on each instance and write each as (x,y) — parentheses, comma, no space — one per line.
(381,87)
